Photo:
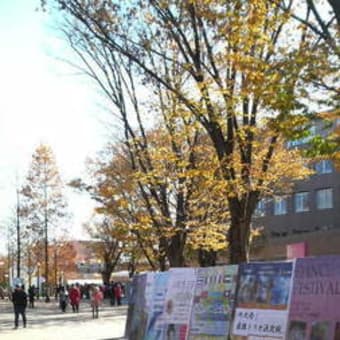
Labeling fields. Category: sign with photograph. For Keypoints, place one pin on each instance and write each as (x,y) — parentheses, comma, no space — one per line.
(262,300)
(178,302)
(213,302)
(315,304)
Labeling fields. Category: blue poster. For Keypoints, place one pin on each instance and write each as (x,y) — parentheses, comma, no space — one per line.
(136,318)
(155,325)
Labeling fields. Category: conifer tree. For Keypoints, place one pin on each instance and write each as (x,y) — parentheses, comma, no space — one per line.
(44,204)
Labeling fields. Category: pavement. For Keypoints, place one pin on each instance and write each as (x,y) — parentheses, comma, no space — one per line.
(47,322)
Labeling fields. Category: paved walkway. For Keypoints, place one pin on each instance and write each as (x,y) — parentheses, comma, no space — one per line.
(47,322)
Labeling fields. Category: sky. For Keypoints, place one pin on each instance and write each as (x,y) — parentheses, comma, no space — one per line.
(42,100)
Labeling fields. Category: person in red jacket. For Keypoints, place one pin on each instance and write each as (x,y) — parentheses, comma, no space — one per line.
(118,292)
(74,296)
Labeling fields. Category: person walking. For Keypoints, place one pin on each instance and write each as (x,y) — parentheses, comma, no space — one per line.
(118,292)
(19,299)
(31,296)
(96,300)
(111,293)
(75,298)
(63,299)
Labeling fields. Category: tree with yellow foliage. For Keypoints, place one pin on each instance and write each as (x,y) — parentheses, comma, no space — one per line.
(245,65)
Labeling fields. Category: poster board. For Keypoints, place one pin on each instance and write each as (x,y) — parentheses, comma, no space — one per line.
(136,317)
(155,325)
(262,301)
(315,304)
(178,303)
(213,303)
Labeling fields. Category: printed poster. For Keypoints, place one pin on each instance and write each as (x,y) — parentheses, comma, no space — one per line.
(315,304)
(178,303)
(155,326)
(136,318)
(262,301)
(148,295)
(213,302)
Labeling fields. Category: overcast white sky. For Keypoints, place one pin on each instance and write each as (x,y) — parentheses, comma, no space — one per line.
(41,101)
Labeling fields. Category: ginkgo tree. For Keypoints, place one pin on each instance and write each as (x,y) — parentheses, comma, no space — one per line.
(246,64)
(111,185)
(44,207)
(164,198)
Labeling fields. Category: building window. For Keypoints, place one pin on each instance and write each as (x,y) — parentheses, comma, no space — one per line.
(280,206)
(324,199)
(260,209)
(301,202)
(305,140)
(324,167)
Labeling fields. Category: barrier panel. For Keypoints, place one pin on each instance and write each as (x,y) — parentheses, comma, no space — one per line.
(262,301)
(315,305)
(294,300)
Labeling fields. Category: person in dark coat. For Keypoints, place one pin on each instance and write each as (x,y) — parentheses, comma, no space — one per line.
(63,299)
(111,293)
(19,299)
(31,296)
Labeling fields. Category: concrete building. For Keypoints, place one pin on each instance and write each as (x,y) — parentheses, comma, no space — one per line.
(311,213)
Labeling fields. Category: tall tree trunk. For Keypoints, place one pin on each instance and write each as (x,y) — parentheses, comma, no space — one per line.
(207,258)
(176,250)
(162,263)
(55,267)
(238,238)
(106,275)
(131,268)
(29,265)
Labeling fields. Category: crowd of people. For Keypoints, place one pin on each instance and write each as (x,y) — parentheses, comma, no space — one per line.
(67,295)
(73,294)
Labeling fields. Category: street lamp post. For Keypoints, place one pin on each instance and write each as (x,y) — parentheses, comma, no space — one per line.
(38,279)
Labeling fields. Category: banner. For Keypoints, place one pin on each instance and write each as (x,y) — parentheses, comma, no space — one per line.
(136,318)
(262,300)
(315,305)
(155,326)
(213,303)
(296,250)
(178,303)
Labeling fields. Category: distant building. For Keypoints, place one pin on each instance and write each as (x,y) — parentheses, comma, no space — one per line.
(87,265)
(311,213)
